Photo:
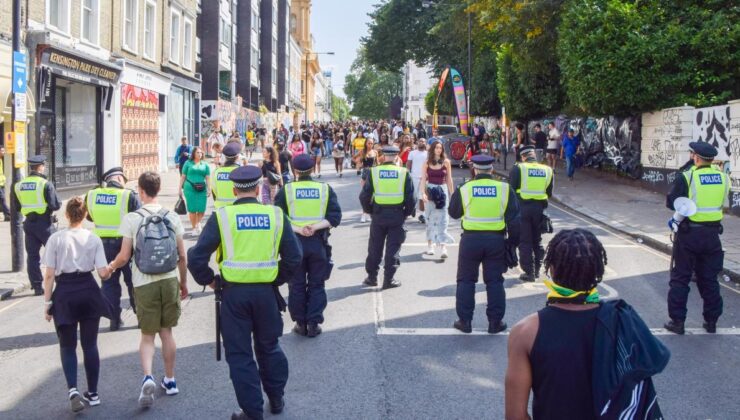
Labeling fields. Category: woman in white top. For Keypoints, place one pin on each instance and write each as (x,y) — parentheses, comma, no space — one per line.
(553,138)
(70,257)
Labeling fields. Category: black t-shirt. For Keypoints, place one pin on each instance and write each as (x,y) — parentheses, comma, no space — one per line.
(540,140)
(284,159)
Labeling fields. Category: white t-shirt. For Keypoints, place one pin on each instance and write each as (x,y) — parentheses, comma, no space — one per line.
(417,159)
(128,229)
(396,130)
(72,250)
(553,137)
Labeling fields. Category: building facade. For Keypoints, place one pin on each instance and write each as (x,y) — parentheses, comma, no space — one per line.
(295,100)
(300,23)
(417,81)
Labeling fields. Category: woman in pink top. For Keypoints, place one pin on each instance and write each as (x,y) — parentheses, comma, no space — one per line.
(296,146)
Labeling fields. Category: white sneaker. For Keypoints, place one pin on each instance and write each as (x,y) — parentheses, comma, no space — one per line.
(92,398)
(430,250)
(444,251)
(146,397)
(75,401)
(169,387)
(363,218)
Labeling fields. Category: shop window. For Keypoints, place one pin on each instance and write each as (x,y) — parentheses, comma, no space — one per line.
(175,37)
(150,15)
(224,85)
(75,134)
(90,20)
(130,12)
(187,45)
(58,14)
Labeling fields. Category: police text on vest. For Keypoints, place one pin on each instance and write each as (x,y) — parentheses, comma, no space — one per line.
(307,193)
(489,192)
(388,174)
(710,179)
(537,172)
(222,176)
(106,199)
(252,222)
(28,186)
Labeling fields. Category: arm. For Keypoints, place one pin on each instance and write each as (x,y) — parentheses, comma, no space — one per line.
(52,200)
(178,152)
(550,187)
(515,178)
(679,189)
(333,211)
(133,202)
(124,255)
(423,182)
(518,380)
(512,219)
(199,255)
(409,203)
(455,209)
(450,185)
(366,196)
(291,254)
(48,283)
(182,264)
(84,200)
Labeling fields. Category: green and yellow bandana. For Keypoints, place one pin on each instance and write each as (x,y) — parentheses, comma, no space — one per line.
(560,294)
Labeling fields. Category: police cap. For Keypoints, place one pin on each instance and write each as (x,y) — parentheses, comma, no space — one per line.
(114,172)
(303,162)
(391,150)
(36,160)
(482,162)
(526,149)
(232,149)
(246,177)
(704,150)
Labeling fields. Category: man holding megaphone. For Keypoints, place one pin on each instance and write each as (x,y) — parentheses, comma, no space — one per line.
(697,197)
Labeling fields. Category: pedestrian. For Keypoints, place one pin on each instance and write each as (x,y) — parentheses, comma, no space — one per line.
(490,222)
(3,205)
(271,174)
(182,154)
(215,144)
(600,352)
(328,135)
(296,146)
(257,252)
(194,187)
(261,139)
(553,140)
(388,195)
(312,208)
(532,182)
(472,148)
(697,248)
(366,159)
(154,236)
(317,151)
(571,147)
(540,143)
(70,257)
(519,140)
(284,158)
(338,154)
(222,188)
(415,165)
(358,145)
(106,207)
(407,144)
(435,187)
(37,199)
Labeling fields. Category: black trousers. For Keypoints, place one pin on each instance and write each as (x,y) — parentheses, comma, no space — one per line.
(696,250)
(37,232)
(112,287)
(3,206)
(307,297)
(385,231)
(488,250)
(531,251)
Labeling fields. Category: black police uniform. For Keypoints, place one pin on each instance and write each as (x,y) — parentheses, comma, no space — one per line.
(307,298)
(697,249)
(38,227)
(386,229)
(112,246)
(531,251)
(489,249)
(250,310)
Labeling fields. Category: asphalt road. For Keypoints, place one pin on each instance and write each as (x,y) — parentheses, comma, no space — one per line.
(383,355)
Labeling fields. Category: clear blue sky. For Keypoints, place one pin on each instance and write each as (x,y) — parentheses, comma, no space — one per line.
(338,25)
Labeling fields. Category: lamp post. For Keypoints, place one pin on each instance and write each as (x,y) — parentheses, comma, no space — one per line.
(305,82)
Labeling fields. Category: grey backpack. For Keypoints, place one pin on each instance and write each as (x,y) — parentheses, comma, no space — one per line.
(156,243)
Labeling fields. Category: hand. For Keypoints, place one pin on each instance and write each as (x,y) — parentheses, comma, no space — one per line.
(308,230)
(183,291)
(424,198)
(47,316)
(212,285)
(673,224)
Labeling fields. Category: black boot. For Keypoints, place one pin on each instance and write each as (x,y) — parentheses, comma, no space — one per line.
(526,277)
(241,415)
(300,329)
(710,326)
(675,327)
(496,327)
(313,329)
(390,284)
(463,326)
(276,405)
(115,325)
(370,281)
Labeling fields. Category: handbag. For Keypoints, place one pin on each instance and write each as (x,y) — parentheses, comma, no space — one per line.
(180,207)
(197,186)
(274,178)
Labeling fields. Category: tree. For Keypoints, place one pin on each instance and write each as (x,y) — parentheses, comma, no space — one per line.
(370,90)
(339,108)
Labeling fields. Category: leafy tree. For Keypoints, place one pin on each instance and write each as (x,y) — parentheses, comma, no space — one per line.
(339,108)
(370,90)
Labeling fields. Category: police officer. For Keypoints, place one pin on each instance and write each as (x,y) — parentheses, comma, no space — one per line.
(388,195)
(697,247)
(106,207)
(223,187)
(532,182)
(37,199)
(312,208)
(249,237)
(489,213)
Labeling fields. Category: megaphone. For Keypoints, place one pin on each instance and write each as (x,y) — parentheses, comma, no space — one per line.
(684,207)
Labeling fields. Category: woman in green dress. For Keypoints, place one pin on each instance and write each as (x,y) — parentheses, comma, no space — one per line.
(195,186)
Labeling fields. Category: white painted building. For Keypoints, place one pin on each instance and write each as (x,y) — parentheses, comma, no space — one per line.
(322,109)
(417,81)
(294,75)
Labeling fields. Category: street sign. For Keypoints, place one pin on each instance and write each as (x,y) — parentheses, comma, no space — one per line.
(19,72)
(20,107)
(19,132)
(9,143)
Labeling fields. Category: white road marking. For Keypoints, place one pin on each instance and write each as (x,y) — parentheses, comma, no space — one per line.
(12,304)
(697,331)
(453,331)
(424,244)
(378,309)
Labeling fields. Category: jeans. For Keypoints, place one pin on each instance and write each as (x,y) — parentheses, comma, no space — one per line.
(570,165)
(328,146)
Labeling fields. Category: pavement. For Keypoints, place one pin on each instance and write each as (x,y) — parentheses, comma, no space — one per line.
(382,355)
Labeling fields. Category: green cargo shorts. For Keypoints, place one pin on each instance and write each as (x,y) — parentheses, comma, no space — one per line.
(158,305)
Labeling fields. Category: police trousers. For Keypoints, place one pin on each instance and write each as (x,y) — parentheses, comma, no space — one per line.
(386,230)
(531,251)
(251,312)
(37,230)
(476,249)
(307,296)
(696,250)
(112,287)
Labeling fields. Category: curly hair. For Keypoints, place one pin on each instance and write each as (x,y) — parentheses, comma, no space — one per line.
(575,259)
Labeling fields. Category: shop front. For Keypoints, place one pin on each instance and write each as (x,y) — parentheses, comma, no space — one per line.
(73,92)
(182,115)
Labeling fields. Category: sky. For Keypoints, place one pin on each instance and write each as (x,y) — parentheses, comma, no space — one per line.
(338,25)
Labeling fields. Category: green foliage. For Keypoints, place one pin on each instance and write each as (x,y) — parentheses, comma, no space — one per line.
(446,104)
(339,108)
(371,90)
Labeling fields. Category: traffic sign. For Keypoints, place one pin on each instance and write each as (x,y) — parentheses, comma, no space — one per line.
(19,132)
(19,72)
(9,143)
(20,107)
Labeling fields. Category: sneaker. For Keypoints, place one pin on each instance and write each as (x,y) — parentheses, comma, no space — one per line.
(75,401)
(422,219)
(169,387)
(444,252)
(430,250)
(363,218)
(91,398)
(146,397)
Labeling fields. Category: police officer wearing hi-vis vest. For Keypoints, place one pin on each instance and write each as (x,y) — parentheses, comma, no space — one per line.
(489,214)
(106,207)
(388,195)
(37,199)
(223,187)
(697,247)
(532,183)
(257,252)
(312,208)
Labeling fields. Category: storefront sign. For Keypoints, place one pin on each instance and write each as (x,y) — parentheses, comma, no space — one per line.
(20,107)
(144,79)
(72,176)
(19,72)
(78,68)
(46,89)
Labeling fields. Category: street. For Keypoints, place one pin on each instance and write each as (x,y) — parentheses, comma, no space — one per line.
(382,355)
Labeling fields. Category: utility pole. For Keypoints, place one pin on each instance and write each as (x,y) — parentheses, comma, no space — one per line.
(470,67)
(16,235)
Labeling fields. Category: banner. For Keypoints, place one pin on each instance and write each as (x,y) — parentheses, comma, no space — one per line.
(462,110)
(440,86)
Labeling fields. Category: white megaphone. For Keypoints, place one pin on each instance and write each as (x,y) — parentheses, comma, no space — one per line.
(684,207)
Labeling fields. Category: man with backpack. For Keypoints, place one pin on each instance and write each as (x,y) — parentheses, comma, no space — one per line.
(154,236)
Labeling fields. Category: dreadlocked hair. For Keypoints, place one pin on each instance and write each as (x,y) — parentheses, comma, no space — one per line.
(575,259)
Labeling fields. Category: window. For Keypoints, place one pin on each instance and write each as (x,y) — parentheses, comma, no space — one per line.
(292,24)
(57,14)
(255,58)
(175,37)
(150,14)
(187,45)
(274,45)
(255,22)
(130,12)
(226,38)
(90,15)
